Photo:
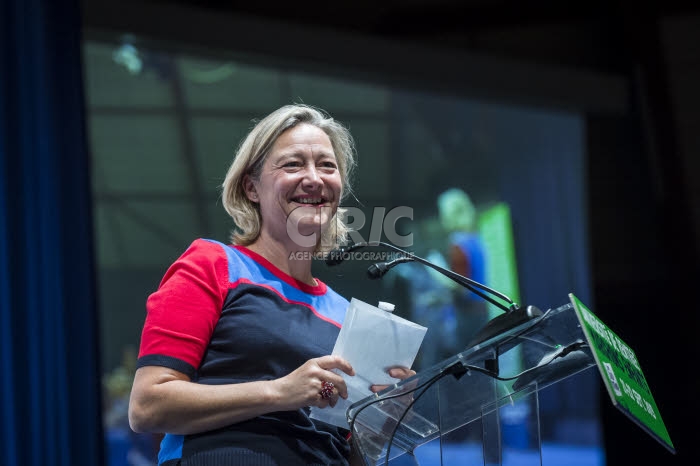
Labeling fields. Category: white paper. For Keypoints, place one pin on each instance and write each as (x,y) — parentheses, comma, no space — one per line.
(372,341)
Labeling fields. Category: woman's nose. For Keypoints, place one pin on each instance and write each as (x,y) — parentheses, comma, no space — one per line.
(312,177)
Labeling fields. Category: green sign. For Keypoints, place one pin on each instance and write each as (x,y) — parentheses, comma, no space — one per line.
(622,374)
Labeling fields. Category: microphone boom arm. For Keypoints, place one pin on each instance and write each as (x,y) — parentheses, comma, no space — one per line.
(514,314)
(462,280)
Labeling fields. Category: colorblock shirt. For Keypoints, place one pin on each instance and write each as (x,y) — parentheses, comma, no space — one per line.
(224,314)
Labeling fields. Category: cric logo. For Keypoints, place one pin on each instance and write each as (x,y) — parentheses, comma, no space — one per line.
(382,222)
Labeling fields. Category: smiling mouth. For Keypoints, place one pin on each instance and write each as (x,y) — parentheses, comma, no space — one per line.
(310,201)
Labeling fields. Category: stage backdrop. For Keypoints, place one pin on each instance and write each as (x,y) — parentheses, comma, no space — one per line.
(164,127)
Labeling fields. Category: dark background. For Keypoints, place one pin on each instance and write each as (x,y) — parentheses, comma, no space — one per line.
(642,141)
(630,69)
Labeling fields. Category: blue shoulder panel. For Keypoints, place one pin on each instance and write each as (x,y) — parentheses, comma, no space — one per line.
(330,305)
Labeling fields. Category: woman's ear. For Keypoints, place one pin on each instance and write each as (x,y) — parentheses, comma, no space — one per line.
(249,188)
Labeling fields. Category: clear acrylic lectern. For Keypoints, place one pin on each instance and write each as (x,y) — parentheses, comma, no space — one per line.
(469,395)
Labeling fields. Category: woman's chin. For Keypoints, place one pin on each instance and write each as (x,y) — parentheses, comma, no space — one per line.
(307,233)
(312,229)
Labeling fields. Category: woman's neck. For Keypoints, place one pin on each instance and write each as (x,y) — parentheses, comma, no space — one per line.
(295,262)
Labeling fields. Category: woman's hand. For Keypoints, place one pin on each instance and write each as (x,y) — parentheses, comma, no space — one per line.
(165,400)
(303,387)
(400,373)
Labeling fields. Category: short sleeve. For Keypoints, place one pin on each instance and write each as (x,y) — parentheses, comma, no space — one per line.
(182,313)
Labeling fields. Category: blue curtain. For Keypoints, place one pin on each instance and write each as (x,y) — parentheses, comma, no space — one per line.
(49,382)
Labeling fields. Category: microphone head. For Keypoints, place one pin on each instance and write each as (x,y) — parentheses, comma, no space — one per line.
(377,270)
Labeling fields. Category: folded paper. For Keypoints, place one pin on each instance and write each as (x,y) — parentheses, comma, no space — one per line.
(372,341)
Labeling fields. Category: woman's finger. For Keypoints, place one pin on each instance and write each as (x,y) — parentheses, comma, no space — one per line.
(401,372)
(377,388)
(335,362)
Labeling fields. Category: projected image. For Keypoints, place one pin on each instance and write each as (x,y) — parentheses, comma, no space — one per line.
(475,243)
(495,193)
(497,196)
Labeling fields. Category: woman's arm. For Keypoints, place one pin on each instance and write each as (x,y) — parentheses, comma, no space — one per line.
(165,400)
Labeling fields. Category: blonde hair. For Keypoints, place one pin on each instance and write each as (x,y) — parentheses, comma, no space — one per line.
(251,156)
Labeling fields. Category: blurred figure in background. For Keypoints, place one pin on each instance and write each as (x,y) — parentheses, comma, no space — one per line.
(452,313)
(467,257)
(423,297)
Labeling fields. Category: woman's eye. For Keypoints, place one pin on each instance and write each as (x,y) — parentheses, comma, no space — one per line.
(329,164)
(293,163)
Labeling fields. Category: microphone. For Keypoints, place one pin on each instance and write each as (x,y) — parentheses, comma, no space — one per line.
(513,316)
(380,268)
(338,255)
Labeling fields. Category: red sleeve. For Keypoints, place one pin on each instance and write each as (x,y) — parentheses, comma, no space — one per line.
(182,313)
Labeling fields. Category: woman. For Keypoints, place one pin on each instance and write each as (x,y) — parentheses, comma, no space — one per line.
(237,340)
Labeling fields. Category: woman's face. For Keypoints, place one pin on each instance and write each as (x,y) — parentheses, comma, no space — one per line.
(299,187)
